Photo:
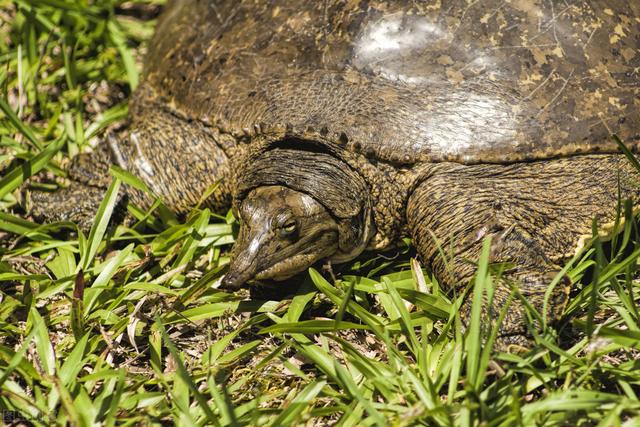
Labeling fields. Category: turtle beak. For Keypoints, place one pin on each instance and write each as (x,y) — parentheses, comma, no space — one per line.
(239,273)
(244,264)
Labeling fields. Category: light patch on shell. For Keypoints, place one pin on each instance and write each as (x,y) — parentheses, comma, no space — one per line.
(466,122)
(445,60)
(383,42)
(558,52)
(616,103)
(454,76)
(391,35)
(618,34)
(539,56)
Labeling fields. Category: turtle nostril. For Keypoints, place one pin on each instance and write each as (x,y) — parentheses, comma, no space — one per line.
(228,283)
(231,282)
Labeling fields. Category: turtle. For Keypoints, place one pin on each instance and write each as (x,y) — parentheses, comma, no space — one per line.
(338,126)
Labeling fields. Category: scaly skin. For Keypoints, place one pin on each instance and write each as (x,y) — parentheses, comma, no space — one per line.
(535,213)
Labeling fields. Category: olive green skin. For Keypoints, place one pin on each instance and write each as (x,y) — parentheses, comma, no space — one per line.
(455,120)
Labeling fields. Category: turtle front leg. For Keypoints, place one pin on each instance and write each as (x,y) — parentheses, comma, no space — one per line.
(180,161)
(534,213)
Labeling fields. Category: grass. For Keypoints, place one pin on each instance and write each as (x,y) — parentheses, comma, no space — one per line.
(125,325)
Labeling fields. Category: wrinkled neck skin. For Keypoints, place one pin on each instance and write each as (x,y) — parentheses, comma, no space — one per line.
(296,208)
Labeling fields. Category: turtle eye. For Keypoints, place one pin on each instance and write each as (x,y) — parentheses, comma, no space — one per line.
(288,227)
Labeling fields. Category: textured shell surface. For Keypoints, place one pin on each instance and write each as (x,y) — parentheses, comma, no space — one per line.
(469,81)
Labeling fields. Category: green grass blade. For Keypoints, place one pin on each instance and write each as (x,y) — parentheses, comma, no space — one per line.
(14,178)
(302,401)
(184,375)
(19,125)
(100,223)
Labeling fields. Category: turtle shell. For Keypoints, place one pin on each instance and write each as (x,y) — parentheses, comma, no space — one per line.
(407,81)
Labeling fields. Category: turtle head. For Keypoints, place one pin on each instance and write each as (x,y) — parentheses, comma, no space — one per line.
(295,208)
(282,232)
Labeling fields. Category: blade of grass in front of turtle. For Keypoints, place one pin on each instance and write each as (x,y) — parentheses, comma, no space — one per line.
(322,359)
(381,375)
(69,68)
(200,286)
(239,353)
(130,179)
(554,283)
(351,417)
(336,297)
(302,401)
(115,398)
(343,305)
(44,349)
(155,350)
(353,389)
(568,401)
(73,362)
(19,174)
(113,114)
(22,227)
(425,391)
(184,374)
(629,226)
(206,194)
(191,243)
(100,282)
(312,327)
(611,270)
(75,414)
(19,124)
(597,268)
(223,402)
(456,366)
(404,319)
(304,295)
(616,223)
(434,306)
(70,369)
(625,150)
(487,349)
(100,223)
(474,339)
(446,259)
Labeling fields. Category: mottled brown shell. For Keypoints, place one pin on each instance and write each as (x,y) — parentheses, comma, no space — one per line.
(407,81)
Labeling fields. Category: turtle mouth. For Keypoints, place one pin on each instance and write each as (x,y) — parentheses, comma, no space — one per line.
(324,245)
(288,267)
